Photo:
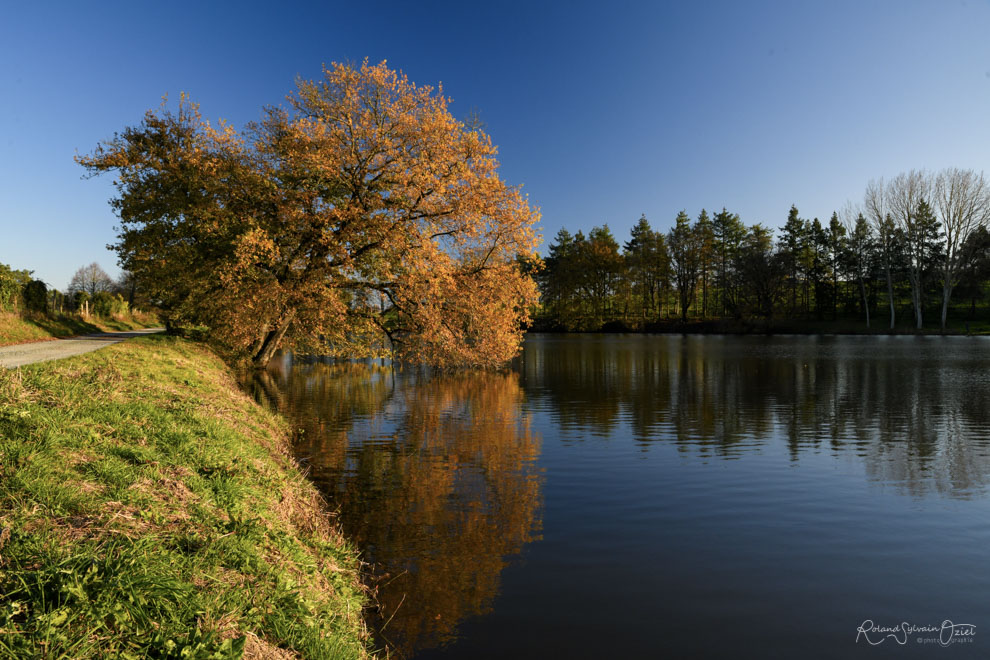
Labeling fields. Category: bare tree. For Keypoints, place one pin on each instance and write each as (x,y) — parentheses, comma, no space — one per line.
(905,193)
(962,203)
(91,279)
(876,203)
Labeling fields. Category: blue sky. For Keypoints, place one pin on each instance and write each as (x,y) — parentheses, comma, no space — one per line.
(604,111)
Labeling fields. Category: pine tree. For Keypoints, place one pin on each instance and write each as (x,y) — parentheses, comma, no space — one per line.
(684,250)
(836,246)
(705,238)
(728,232)
(793,242)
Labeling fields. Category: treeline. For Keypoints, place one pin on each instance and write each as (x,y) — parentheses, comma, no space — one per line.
(90,292)
(915,244)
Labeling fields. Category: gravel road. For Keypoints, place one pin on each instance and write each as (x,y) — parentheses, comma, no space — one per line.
(20,354)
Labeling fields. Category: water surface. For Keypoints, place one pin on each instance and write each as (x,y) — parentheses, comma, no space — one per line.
(642,496)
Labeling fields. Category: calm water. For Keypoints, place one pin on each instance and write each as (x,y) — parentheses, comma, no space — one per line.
(645,496)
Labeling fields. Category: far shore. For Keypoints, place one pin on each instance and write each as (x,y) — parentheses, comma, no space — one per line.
(764,327)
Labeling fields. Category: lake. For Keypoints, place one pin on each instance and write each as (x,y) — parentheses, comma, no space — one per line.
(664,495)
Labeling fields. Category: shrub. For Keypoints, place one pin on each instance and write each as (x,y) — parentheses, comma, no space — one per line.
(106,304)
(12,283)
(36,296)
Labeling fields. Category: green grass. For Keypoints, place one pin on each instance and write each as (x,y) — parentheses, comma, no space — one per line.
(148,508)
(19,329)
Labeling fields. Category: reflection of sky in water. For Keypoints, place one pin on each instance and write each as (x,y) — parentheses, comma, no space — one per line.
(634,495)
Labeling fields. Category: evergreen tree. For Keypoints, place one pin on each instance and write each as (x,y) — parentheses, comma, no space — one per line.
(705,238)
(836,242)
(684,253)
(923,241)
(648,266)
(976,269)
(858,252)
(557,283)
(816,260)
(600,271)
(728,232)
(762,270)
(793,245)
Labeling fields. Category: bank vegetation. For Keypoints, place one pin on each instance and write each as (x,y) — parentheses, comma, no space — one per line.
(148,508)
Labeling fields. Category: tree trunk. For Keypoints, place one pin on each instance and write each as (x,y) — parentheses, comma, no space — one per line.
(704,297)
(272,342)
(866,303)
(946,292)
(260,341)
(916,285)
(835,296)
(890,297)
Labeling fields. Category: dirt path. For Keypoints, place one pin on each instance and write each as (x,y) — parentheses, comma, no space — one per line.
(20,354)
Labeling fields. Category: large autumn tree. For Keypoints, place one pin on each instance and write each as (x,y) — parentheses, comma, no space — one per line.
(361,219)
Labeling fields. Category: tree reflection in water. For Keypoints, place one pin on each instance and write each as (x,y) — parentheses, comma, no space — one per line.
(912,410)
(435,477)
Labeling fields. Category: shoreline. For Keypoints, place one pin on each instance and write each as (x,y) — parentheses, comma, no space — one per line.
(713,327)
(150,507)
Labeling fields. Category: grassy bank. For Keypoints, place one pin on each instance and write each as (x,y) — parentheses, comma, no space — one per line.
(22,328)
(149,508)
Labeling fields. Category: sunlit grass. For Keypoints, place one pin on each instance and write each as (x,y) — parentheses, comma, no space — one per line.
(149,508)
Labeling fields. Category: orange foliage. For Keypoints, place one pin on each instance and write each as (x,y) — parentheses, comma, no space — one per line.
(364,219)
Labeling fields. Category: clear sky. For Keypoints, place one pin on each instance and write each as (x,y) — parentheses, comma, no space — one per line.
(603,110)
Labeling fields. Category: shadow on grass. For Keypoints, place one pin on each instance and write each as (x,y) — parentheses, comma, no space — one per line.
(64,326)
